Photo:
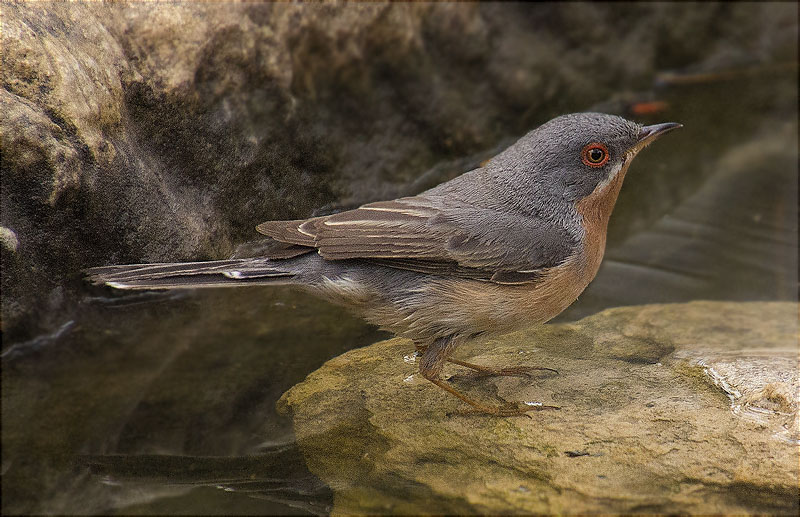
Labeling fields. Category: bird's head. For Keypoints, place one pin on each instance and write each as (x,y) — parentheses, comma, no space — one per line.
(573,156)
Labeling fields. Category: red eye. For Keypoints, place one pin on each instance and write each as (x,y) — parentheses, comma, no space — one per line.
(595,155)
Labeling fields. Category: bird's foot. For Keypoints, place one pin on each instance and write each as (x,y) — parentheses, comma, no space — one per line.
(505,409)
(512,371)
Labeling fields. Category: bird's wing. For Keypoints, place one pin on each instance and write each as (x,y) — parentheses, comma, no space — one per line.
(425,234)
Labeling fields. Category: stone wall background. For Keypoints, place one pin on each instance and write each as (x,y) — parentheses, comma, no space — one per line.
(141,132)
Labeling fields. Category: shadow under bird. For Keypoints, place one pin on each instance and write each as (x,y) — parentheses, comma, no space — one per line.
(506,245)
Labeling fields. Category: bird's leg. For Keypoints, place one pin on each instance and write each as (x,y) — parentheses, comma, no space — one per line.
(430,366)
(508,372)
(488,370)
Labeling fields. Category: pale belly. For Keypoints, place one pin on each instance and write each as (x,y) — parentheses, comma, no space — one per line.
(471,307)
(436,307)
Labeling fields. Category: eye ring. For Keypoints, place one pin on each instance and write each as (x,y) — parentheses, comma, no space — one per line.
(595,155)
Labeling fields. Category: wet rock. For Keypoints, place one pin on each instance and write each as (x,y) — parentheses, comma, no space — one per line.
(135,132)
(683,408)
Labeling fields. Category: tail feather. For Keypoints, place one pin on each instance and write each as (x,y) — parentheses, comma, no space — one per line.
(218,273)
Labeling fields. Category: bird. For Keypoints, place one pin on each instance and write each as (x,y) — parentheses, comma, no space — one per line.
(507,245)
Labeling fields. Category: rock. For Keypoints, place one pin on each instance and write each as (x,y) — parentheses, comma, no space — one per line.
(139,132)
(682,408)
(9,239)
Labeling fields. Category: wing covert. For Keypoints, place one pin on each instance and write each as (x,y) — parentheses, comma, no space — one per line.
(427,235)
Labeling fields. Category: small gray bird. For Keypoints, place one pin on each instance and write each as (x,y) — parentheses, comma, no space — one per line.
(506,245)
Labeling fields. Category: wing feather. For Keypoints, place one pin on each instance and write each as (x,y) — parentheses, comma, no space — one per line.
(436,236)
(287,231)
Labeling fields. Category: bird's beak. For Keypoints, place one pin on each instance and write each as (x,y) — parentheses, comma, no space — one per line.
(648,134)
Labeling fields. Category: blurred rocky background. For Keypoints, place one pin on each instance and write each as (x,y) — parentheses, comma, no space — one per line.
(161,132)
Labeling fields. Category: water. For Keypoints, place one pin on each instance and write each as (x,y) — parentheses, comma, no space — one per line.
(165,402)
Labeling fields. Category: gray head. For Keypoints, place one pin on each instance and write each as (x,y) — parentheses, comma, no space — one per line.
(568,157)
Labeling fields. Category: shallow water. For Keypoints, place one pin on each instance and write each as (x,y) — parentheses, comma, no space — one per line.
(165,402)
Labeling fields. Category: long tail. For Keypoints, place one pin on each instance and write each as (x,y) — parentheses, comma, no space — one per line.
(218,273)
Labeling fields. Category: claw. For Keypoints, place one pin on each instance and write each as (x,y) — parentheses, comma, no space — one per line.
(436,354)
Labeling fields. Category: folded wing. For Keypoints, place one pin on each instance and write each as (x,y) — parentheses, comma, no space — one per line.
(427,235)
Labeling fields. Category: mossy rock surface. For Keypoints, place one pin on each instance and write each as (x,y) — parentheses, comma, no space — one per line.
(664,408)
